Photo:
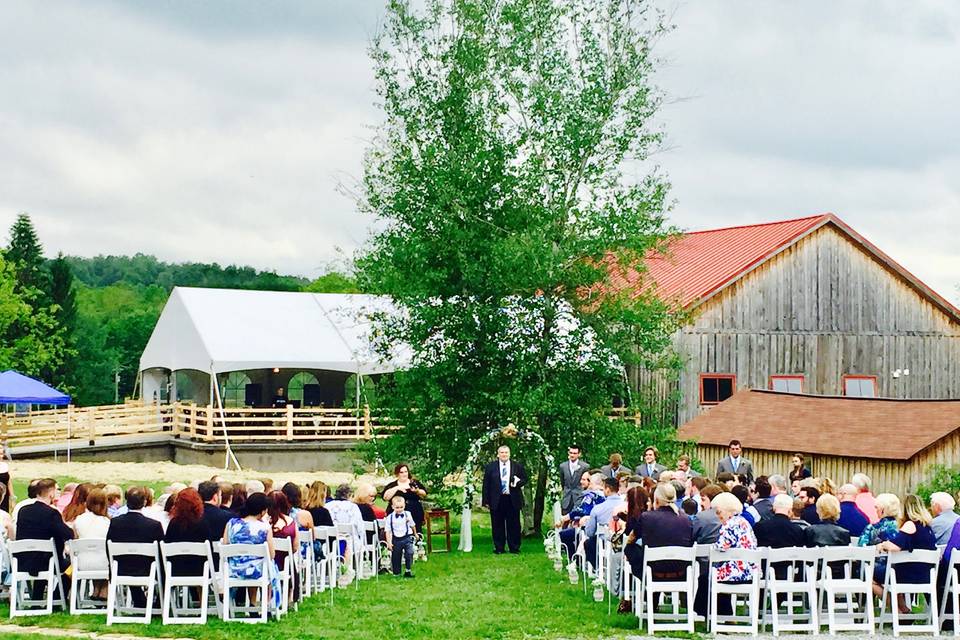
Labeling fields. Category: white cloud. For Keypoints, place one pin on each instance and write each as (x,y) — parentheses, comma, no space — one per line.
(219,130)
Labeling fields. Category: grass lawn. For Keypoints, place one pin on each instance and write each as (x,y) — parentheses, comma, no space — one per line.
(456,595)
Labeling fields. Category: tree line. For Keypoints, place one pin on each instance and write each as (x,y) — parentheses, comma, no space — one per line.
(81,324)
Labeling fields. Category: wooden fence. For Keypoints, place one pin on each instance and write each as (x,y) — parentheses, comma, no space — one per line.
(186,420)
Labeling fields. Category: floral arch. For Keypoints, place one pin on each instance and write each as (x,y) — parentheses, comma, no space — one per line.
(554,490)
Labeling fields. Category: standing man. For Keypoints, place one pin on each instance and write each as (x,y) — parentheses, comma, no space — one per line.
(503,480)
(735,463)
(570,473)
(616,466)
(650,467)
(683,464)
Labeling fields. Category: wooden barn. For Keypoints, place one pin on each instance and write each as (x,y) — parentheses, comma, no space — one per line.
(801,306)
(894,441)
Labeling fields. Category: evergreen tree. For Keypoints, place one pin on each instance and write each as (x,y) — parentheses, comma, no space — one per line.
(63,293)
(25,255)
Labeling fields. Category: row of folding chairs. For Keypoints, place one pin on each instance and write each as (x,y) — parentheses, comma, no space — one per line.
(181,599)
(792,589)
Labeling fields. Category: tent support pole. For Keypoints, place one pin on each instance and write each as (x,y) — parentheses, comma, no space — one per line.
(229,455)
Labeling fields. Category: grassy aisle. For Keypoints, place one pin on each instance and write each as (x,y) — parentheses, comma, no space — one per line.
(459,595)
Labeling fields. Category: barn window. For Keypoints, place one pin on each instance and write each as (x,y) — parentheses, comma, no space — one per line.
(860,386)
(787,384)
(716,387)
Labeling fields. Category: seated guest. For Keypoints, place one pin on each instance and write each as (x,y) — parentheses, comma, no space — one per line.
(602,514)
(297,510)
(623,480)
(255,486)
(735,533)
(777,531)
(797,519)
(851,518)
(364,497)
(78,503)
(6,522)
(267,484)
(944,517)
(763,502)
(865,499)
(827,533)
(114,500)
(239,498)
(592,496)
(693,488)
(66,496)
(887,507)
(30,499)
(93,523)
(345,511)
(133,526)
(637,504)
(251,529)
(809,496)
(215,517)
(315,503)
(727,480)
(690,509)
(706,526)
(914,533)
(226,496)
(40,520)
(283,526)
(749,513)
(186,525)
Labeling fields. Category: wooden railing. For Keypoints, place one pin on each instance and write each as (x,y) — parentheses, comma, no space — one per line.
(188,421)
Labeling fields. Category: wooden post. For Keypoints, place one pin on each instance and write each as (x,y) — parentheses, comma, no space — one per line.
(3,426)
(366,422)
(209,435)
(91,428)
(289,421)
(193,422)
(636,418)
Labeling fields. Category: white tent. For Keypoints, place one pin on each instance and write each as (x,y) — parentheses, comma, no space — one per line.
(219,330)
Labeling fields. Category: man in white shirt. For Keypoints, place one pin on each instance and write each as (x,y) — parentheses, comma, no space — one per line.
(503,481)
(570,473)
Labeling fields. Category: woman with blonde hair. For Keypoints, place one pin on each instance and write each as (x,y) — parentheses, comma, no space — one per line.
(914,533)
(827,533)
(314,500)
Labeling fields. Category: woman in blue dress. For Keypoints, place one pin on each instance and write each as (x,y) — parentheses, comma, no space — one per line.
(251,529)
(915,533)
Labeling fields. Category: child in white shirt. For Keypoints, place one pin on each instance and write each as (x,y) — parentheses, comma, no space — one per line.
(400,531)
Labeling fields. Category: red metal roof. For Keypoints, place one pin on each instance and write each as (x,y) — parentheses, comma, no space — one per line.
(701,263)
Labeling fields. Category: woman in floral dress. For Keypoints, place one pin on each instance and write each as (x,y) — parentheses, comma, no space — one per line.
(251,529)
(735,533)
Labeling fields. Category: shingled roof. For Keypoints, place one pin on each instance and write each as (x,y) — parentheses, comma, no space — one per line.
(700,264)
(882,428)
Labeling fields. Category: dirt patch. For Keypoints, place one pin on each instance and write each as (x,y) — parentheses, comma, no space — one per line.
(124,473)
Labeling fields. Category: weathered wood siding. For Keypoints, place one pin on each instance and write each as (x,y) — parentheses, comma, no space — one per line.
(890,476)
(945,452)
(824,309)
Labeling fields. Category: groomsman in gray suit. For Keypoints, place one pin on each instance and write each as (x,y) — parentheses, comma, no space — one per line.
(735,463)
(570,473)
(650,467)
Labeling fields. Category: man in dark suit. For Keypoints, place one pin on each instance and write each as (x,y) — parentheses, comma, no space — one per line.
(650,467)
(763,501)
(809,497)
(214,515)
(503,480)
(777,532)
(133,526)
(615,467)
(571,472)
(40,520)
(663,527)
(735,463)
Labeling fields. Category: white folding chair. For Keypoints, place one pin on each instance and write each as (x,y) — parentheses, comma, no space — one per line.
(674,588)
(798,585)
(749,590)
(215,601)
(259,554)
(287,572)
(892,589)
(22,602)
(370,551)
(176,588)
(120,607)
(88,562)
(349,536)
(327,567)
(854,568)
(307,562)
(951,593)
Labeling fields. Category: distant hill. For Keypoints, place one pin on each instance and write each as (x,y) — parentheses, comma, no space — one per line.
(147,270)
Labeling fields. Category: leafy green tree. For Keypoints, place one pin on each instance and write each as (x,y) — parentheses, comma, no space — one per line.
(62,292)
(333,282)
(503,179)
(29,339)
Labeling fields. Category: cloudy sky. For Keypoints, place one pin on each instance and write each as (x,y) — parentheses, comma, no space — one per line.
(218,131)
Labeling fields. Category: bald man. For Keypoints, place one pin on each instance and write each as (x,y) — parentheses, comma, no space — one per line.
(851,518)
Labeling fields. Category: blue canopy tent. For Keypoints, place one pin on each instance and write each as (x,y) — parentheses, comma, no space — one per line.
(16,388)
